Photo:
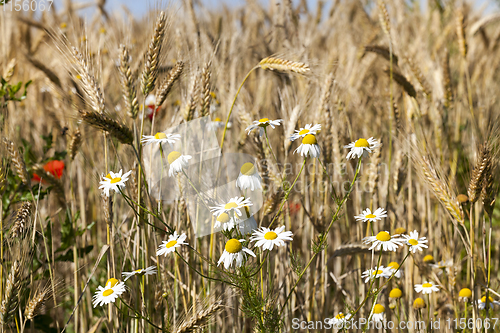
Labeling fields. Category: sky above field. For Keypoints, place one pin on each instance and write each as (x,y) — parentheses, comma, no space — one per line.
(140,7)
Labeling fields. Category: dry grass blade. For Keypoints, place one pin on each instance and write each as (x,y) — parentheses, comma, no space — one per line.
(48,72)
(18,162)
(103,122)
(21,220)
(167,84)
(283,65)
(127,83)
(151,66)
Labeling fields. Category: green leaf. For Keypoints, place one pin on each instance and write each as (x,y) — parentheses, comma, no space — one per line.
(49,140)
(68,256)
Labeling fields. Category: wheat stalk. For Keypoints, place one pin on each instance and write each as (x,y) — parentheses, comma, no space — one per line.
(103,122)
(283,65)
(151,66)
(127,83)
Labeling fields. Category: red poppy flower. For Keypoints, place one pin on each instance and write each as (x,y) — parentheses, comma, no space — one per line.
(55,168)
(150,112)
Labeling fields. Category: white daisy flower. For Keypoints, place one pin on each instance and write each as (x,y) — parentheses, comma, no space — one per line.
(481,304)
(371,274)
(309,146)
(378,312)
(174,241)
(340,320)
(151,270)
(309,129)
(383,240)
(443,264)
(249,178)
(150,100)
(109,293)
(426,288)
(234,251)
(113,181)
(415,243)
(234,205)
(263,123)
(267,238)
(226,221)
(160,137)
(177,162)
(367,215)
(394,267)
(361,147)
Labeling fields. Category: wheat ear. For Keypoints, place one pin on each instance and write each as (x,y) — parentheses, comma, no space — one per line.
(151,66)
(127,83)
(206,74)
(75,143)
(403,82)
(18,162)
(11,295)
(283,65)
(9,70)
(21,220)
(462,43)
(200,319)
(483,164)
(36,304)
(103,122)
(168,82)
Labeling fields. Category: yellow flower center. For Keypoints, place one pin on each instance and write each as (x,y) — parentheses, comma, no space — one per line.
(383,236)
(400,231)
(170,244)
(428,258)
(362,143)
(419,303)
(377,272)
(223,218)
(393,265)
(309,139)
(483,299)
(263,120)
(304,131)
(107,292)
(233,246)
(113,282)
(370,216)
(138,270)
(427,285)
(395,293)
(340,316)
(108,176)
(270,235)
(230,205)
(115,180)
(63,25)
(378,308)
(173,156)
(217,119)
(247,169)
(160,135)
(466,292)
(413,242)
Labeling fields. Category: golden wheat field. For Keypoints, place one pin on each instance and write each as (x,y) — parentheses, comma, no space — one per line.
(275,166)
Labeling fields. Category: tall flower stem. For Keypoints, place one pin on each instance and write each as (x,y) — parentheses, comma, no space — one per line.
(325,235)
